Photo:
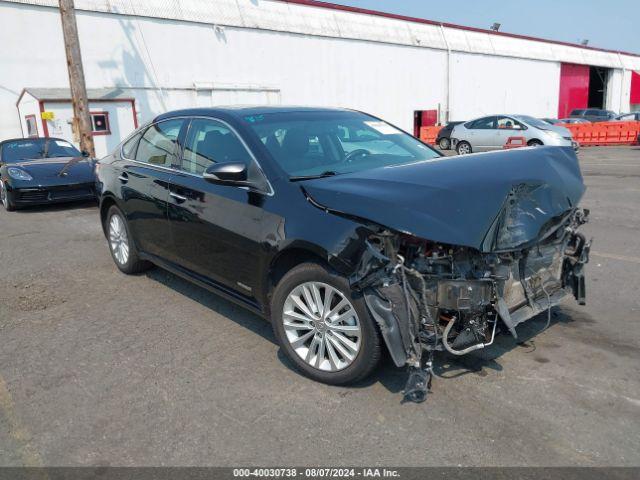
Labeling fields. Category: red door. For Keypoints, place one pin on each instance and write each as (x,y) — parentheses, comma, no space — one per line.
(574,88)
(423,118)
(635,88)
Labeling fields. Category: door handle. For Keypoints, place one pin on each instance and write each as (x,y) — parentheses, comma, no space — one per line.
(124,178)
(180,198)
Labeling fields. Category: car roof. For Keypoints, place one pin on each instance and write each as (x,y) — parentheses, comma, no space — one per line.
(240,111)
(9,140)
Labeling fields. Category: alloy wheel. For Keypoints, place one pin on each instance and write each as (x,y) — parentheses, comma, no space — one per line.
(118,239)
(322,326)
(464,149)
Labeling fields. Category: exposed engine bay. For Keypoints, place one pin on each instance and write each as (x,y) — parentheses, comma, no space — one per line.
(428,296)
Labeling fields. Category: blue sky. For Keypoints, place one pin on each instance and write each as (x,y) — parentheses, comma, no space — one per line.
(611,24)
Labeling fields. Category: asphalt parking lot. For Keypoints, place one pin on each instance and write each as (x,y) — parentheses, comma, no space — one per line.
(97,368)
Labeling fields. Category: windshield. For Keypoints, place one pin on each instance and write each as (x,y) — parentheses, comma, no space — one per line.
(35,148)
(308,144)
(534,122)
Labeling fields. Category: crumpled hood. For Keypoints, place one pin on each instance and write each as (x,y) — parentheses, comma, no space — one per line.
(78,168)
(459,200)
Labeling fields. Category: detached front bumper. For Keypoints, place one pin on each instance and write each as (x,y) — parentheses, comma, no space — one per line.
(40,195)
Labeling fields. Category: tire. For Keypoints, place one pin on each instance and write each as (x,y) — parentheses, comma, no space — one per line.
(329,360)
(534,143)
(444,143)
(121,244)
(4,198)
(464,148)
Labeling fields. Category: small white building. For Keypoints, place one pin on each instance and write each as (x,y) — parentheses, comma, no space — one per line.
(48,112)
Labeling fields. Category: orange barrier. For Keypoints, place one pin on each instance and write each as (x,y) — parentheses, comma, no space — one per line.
(429,134)
(605,133)
(515,142)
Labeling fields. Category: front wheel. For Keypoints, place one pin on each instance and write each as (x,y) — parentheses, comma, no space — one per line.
(322,327)
(121,244)
(534,143)
(464,148)
(4,197)
(444,143)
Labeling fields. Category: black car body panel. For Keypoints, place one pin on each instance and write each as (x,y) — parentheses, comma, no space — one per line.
(456,200)
(53,180)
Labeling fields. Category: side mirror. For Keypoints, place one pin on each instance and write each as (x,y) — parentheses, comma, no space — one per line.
(226,173)
(85,153)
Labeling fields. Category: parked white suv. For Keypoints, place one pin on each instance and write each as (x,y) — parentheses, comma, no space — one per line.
(493,132)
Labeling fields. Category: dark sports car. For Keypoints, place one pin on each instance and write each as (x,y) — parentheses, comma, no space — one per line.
(348,233)
(43,170)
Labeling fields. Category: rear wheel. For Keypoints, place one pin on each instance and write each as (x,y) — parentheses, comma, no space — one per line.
(121,244)
(444,143)
(4,197)
(322,327)
(464,148)
(534,143)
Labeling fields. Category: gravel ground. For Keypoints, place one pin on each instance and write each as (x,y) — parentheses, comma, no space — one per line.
(98,368)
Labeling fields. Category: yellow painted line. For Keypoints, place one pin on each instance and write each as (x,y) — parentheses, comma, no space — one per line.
(18,433)
(613,256)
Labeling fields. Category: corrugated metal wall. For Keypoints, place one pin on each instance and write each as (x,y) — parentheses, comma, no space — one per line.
(294,18)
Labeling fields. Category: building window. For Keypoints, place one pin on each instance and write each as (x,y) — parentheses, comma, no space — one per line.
(32,125)
(100,123)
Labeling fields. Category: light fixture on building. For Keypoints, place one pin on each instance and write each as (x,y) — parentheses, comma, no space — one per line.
(495,27)
(584,42)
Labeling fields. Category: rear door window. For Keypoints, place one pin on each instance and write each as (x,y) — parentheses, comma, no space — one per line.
(130,146)
(486,123)
(158,145)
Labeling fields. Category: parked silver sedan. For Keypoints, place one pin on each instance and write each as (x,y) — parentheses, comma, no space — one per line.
(493,132)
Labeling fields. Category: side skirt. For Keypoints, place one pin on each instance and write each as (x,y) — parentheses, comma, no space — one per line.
(247,302)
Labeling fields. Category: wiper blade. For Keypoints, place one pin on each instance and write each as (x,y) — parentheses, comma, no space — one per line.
(329,173)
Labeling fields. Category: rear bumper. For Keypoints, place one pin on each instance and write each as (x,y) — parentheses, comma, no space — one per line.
(54,194)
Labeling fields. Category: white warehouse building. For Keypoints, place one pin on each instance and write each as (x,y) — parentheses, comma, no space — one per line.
(170,54)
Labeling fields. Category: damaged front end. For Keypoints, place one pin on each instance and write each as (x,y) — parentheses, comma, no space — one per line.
(428,296)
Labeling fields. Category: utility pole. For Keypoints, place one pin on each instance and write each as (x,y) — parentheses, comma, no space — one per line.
(81,116)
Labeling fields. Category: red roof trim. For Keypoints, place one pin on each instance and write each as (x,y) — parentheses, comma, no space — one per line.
(345,8)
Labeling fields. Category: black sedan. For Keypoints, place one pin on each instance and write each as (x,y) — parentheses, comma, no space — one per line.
(43,170)
(444,135)
(347,233)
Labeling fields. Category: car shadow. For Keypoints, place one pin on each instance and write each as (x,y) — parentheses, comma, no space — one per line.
(480,362)
(221,306)
(214,302)
(56,207)
(446,365)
